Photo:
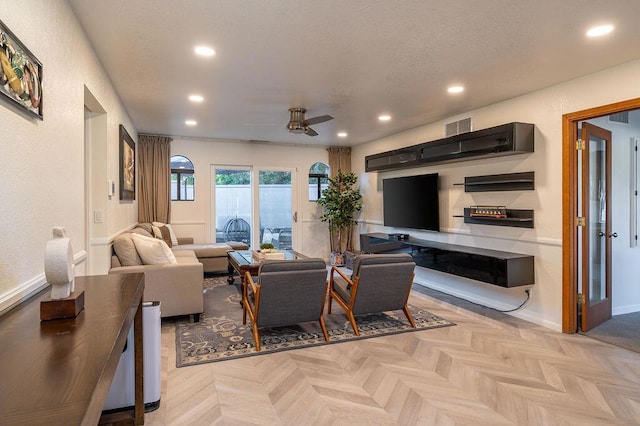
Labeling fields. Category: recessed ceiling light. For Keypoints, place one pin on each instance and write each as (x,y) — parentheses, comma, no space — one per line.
(196,98)
(204,51)
(190,122)
(342,134)
(455,89)
(384,117)
(599,30)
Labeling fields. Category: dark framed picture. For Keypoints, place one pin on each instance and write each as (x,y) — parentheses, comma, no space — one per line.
(20,74)
(127,166)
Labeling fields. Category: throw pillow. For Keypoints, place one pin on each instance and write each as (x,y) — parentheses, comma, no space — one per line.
(152,250)
(162,232)
(141,231)
(146,226)
(125,249)
(174,239)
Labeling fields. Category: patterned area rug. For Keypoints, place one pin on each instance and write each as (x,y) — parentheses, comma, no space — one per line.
(220,334)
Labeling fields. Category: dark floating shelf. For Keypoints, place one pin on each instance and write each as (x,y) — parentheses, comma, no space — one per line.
(504,182)
(515,218)
(507,139)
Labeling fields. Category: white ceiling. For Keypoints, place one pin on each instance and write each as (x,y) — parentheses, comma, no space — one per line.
(352,59)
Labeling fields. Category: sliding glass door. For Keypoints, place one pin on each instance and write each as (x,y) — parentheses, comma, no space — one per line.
(232,204)
(254,214)
(276,201)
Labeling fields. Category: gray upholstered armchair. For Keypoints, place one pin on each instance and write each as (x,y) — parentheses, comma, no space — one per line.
(379,283)
(287,292)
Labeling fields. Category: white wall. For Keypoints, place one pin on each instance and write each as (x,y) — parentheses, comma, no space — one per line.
(193,218)
(543,108)
(43,174)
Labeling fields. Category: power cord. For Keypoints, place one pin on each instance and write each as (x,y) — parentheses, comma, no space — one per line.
(528,291)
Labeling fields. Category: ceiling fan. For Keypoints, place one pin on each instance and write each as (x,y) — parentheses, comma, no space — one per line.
(298,124)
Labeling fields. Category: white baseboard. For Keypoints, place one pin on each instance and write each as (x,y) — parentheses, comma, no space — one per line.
(621,310)
(491,303)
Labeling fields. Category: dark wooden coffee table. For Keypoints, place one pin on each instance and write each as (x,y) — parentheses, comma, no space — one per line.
(241,261)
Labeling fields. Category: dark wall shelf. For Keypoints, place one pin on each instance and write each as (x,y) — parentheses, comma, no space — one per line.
(495,267)
(515,218)
(524,181)
(507,139)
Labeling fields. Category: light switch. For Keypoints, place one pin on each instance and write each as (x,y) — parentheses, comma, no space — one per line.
(98,216)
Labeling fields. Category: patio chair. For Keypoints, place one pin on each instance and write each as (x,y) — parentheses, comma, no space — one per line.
(287,292)
(237,229)
(379,283)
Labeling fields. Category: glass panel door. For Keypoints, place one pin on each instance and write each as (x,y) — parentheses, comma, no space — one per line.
(232,217)
(596,234)
(276,213)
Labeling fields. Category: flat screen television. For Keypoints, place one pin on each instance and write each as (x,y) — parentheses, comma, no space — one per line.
(412,202)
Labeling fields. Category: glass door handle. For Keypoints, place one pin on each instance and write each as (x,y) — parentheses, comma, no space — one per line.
(295,217)
(601,234)
(614,235)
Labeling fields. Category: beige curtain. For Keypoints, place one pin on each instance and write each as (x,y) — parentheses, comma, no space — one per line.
(154,204)
(339,159)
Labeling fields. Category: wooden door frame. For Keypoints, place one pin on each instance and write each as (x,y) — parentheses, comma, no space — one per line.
(570,205)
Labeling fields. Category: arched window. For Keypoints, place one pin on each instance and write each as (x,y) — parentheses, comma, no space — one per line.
(318,180)
(182,179)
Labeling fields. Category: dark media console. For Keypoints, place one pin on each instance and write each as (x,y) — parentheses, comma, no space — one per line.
(399,236)
(495,267)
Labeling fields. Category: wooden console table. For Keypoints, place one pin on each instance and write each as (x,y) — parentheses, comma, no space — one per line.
(59,372)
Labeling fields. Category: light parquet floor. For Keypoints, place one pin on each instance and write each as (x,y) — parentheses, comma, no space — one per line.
(480,372)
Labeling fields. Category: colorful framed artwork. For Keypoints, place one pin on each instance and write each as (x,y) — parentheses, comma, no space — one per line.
(20,74)
(127,166)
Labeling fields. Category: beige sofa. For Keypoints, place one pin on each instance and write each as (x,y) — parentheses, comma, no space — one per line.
(178,286)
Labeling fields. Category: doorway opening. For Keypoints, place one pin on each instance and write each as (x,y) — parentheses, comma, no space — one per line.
(599,225)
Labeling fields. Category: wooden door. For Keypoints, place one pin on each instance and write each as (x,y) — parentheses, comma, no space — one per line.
(596,234)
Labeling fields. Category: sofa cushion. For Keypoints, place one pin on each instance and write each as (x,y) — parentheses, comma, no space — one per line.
(140,231)
(183,253)
(146,226)
(153,251)
(126,251)
(206,250)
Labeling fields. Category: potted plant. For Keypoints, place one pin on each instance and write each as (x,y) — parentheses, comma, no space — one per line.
(340,201)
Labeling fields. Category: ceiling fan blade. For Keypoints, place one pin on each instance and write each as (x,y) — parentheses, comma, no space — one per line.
(310,132)
(319,119)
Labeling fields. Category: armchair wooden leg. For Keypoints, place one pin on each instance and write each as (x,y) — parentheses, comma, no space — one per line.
(323,326)
(405,309)
(330,300)
(256,336)
(352,320)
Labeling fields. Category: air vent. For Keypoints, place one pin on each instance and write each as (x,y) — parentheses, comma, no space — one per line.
(621,117)
(457,127)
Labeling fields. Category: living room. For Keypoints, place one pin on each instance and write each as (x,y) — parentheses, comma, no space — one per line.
(46,171)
